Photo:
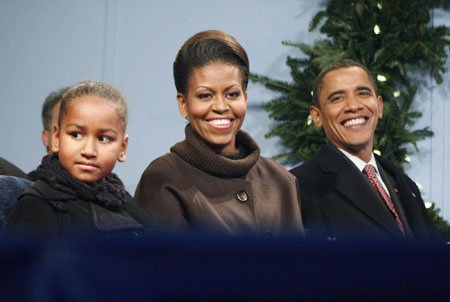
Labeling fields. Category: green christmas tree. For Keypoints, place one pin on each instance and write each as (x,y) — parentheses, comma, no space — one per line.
(398,44)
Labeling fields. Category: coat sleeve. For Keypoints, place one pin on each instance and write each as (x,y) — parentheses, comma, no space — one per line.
(33,216)
(313,220)
(161,192)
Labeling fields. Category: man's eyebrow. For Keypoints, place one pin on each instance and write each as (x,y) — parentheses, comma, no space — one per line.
(334,93)
(363,88)
(359,88)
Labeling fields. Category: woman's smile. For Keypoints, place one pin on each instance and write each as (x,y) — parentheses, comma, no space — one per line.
(220,123)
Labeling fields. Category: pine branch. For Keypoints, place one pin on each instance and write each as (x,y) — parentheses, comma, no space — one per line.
(407,45)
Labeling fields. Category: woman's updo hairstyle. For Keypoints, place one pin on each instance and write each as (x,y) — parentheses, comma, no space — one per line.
(100,89)
(207,47)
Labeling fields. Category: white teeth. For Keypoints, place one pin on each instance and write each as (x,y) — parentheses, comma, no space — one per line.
(356,121)
(220,122)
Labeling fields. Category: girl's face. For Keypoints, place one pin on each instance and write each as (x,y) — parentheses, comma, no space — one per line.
(91,139)
(215,104)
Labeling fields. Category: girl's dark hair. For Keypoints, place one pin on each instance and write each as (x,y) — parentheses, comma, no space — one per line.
(106,91)
(204,48)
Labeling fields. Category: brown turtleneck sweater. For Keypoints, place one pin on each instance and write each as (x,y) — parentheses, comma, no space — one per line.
(192,187)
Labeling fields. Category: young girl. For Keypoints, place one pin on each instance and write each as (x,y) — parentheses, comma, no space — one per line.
(76,190)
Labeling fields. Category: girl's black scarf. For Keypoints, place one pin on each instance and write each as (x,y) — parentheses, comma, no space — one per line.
(108,192)
(197,153)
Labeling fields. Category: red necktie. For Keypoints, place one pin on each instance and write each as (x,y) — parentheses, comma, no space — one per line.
(370,172)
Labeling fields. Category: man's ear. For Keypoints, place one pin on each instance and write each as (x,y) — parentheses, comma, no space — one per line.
(123,151)
(55,140)
(182,105)
(380,107)
(316,116)
(44,138)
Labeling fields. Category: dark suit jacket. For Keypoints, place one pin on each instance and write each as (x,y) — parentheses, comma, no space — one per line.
(338,201)
(7,168)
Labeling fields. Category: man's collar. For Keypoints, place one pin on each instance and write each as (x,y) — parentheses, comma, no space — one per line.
(359,162)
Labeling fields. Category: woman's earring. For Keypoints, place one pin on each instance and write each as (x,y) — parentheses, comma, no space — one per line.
(185,119)
(122,156)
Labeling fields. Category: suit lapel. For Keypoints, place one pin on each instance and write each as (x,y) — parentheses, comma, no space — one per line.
(394,193)
(411,201)
(355,188)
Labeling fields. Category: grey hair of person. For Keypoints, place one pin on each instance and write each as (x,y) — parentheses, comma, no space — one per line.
(47,108)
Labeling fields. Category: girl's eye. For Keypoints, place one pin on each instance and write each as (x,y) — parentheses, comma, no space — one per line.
(75,134)
(104,139)
(234,94)
(203,96)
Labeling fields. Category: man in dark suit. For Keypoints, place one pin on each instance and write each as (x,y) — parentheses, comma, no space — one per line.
(50,115)
(342,199)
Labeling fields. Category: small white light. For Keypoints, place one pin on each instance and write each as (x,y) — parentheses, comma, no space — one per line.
(376,29)
(407,158)
(309,120)
(380,6)
(377,152)
(396,93)
(419,185)
(312,93)
(381,78)
(428,204)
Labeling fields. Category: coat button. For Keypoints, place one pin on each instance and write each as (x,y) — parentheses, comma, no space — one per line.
(60,206)
(242,195)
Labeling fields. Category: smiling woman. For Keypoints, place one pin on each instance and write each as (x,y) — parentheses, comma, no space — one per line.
(215,180)
(215,104)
